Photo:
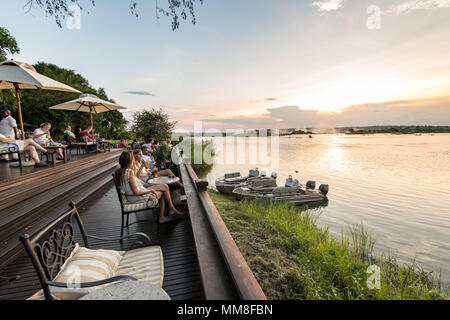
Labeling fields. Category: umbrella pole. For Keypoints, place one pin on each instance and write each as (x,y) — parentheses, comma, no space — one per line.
(92,121)
(20,111)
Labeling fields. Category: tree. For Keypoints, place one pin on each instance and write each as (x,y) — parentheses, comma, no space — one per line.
(8,44)
(175,9)
(152,124)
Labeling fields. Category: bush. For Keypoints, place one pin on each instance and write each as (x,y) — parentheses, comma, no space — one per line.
(163,155)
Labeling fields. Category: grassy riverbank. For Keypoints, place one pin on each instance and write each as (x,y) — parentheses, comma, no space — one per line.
(293,258)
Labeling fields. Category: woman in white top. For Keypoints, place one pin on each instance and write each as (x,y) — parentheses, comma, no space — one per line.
(7,144)
(143,172)
(136,192)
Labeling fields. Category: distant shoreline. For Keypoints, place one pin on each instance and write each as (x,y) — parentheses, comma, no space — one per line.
(371,130)
(338,130)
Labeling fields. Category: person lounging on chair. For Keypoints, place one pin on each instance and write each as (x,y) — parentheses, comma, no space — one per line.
(12,145)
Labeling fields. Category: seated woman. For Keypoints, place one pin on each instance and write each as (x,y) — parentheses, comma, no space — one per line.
(144,172)
(6,144)
(136,192)
(83,135)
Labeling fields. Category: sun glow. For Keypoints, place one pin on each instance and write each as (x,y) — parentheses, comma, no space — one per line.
(334,98)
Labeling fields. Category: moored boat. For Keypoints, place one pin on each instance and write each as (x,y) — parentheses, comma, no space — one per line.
(292,192)
(230,181)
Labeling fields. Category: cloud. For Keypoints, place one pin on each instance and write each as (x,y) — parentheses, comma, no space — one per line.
(141,93)
(433,111)
(328,5)
(414,5)
(271,99)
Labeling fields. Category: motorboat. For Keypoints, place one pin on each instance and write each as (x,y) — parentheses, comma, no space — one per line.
(292,192)
(230,181)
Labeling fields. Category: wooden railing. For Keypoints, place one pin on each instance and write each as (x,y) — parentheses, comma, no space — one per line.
(207,223)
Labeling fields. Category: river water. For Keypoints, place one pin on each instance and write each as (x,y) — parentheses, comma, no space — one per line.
(397,186)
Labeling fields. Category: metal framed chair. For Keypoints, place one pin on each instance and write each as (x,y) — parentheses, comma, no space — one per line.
(14,150)
(52,246)
(129,208)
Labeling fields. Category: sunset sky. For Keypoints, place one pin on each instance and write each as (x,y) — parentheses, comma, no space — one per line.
(258,64)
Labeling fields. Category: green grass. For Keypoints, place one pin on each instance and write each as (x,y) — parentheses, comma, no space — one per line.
(294,258)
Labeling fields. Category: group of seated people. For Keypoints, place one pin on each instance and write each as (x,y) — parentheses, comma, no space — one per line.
(10,140)
(80,135)
(132,176)
(151,145)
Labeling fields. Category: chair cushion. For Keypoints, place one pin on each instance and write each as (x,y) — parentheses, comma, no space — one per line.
(129,206)
(144,264)
(84,266)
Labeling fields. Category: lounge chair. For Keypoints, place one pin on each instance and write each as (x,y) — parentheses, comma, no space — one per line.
(14,150)
(64,268)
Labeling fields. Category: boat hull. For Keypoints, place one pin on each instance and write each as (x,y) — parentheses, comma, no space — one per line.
(300,199)
(227,187)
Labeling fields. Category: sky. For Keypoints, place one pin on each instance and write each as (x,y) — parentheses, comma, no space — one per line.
(257,64)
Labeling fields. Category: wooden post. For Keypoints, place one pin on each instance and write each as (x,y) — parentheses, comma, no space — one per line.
(20,110)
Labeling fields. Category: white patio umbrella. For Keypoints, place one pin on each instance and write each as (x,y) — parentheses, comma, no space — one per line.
(19,75)
(88,103)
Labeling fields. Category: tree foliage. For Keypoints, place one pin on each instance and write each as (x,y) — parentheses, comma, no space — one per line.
(176,9)
(180,8)
(8,44)
(152,124)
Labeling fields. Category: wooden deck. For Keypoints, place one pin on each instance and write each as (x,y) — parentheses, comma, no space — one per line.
(101,217)
(201,259)
(31,201)
(8,173)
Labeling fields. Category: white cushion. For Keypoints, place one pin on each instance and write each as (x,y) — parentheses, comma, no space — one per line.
(131,207)
(84,265)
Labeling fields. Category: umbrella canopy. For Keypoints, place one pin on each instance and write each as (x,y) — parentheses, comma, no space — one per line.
(88,103)
(18,75)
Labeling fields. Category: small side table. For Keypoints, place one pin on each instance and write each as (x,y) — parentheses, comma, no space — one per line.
(51,150)
(128,290)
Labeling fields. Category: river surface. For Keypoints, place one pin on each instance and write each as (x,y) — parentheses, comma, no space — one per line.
(397,186)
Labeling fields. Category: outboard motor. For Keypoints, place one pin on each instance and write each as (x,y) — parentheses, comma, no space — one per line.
(274,175)
(324,188)
(253,173)
(263,173)
(291,183)
(311,185)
